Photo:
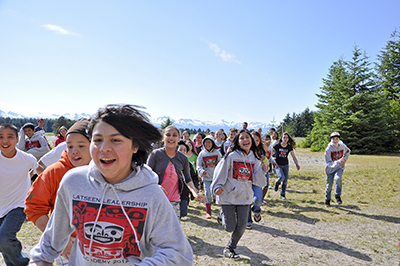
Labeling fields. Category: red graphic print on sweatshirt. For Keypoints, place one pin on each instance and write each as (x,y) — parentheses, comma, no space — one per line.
(336,155)
(113,238)
(32,144)
(210,161)
(243,171)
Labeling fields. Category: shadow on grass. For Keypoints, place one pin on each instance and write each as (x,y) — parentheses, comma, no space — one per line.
(301,177)
(313,242)
(390,219)
(201,248)
(298,210)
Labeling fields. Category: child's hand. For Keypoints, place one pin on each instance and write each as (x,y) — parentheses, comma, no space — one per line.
(204,172)
(67,250)
(219,191)
(264,167)
(298,167)
(201,198)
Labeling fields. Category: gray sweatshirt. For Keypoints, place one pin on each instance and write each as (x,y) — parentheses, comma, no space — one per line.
(207,161)
(333,155)
(236,173)
(126,223)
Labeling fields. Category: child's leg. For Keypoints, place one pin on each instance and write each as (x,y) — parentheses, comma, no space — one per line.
(338,179)
(207,191)
(183,207)
(285,171)
(10,246)
(258,193)
(328,188)
(235,217)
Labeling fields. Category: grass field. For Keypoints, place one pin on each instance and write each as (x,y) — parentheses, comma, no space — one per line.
(364,230)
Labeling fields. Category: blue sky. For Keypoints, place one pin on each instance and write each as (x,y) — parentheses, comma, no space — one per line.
(207,60)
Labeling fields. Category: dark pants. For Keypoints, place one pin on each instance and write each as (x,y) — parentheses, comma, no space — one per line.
(234,219)
(10,246)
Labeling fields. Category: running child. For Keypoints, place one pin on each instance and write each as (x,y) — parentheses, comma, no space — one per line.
(206,163)
(257,191)
(282,150)
(336,156)
(233,178)
(120,214)
(172,168)
(42,194)
(15,183)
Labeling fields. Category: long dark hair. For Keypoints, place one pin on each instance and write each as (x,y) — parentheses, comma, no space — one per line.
(235,144)
(260,148)
(132,124)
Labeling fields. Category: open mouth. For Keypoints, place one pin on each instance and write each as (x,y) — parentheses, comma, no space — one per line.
(107,161)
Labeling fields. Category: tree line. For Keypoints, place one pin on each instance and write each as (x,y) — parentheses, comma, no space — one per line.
(50,125)
(361,102)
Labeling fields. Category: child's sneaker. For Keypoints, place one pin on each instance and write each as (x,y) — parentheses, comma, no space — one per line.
(276,187)
(338,199)
(230,253)
(327,203)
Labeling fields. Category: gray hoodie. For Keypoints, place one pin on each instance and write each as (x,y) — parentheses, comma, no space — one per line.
(36,145)
(236,173)
(207,161)
(111,219)
(333,155)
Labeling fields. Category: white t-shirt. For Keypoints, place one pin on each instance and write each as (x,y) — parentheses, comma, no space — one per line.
(54,155)
(15,180)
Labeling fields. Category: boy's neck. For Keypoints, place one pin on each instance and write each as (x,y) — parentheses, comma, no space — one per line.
(10,155)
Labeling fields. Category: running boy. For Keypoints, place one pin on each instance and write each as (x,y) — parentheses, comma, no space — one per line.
(15,183)
(336,155)
(32,142)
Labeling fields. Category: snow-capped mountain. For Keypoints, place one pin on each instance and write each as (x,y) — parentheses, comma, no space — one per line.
(180,123)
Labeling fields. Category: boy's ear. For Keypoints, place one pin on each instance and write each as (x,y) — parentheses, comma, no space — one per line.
(135,148)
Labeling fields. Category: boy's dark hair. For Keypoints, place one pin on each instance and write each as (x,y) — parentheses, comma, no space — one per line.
(235,144)
(29,125)
(132,124)
(10,126)
(184,143)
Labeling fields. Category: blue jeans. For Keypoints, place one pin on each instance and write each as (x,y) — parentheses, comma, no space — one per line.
(10,246)
(267,177)
(337,176)
(183,205)
(257,197)
(283,176)
(207,191)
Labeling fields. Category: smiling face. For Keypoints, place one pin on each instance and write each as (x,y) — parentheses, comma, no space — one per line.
(208,144)
(218,135)
(28,132)
(171,138)
(111,152)
(63,132)
(232,135)
(8,140)
(78,149)
(256,140)
(182,149)
(335,141)
(186,136)
(245,142)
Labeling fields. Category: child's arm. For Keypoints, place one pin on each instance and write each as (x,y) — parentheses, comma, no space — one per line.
(295,160)
(220,175)
(21,141)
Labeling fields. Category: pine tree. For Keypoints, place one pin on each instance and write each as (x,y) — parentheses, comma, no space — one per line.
(388,70)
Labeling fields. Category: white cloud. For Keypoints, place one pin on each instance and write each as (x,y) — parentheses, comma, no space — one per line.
(228,57)
(58,29)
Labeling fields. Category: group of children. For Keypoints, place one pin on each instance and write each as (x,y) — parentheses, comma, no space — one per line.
(114,199)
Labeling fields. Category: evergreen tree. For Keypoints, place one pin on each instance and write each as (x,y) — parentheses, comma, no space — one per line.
(166,122)
(388,71)
(350,104)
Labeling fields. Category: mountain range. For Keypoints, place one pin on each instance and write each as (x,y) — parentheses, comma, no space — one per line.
(180,123)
